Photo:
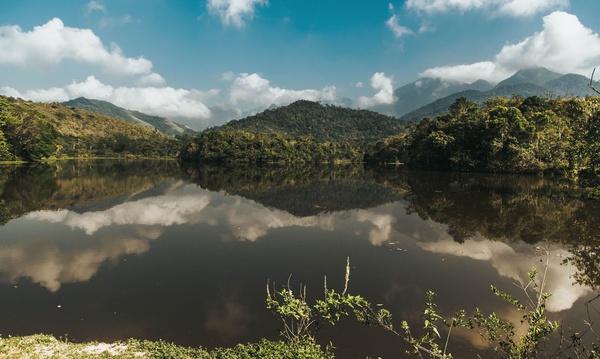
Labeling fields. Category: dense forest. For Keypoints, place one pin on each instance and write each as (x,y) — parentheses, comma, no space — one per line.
(322,122)
(240,146)
(302,132)
(516,135)
(32,131)
(510,135)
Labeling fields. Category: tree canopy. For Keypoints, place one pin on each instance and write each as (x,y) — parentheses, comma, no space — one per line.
(32,131)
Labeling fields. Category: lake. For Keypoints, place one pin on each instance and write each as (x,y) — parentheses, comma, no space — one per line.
(110,250)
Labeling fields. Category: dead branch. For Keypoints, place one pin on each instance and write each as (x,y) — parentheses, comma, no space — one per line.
(593,85)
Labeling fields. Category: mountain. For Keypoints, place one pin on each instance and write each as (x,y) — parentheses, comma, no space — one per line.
(537,76)
(322,122)
(569,85)
(426,90)
(33,131)
(161,124)
(525,83)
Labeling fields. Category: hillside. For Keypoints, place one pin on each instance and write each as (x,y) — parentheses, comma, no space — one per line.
(32,131)
(162,124)
(321,122)
(525,83)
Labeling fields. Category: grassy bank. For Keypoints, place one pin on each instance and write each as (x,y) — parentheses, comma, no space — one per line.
(46,346)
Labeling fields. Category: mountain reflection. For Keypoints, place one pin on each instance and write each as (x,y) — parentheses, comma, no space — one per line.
(69,219)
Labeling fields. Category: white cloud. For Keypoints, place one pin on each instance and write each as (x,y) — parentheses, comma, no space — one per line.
(159,101)
(393,24)
(228,76)
(397,29)
(467,73)
(53,43)
(254,89)
(385,96)
(360,85)
(95,5)
(516,8)
(530,7)
(564,45)
(152,79)
(234,12)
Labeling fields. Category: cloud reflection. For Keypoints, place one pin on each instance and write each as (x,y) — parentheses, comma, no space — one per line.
(46,262)
(162,211)
(515,262)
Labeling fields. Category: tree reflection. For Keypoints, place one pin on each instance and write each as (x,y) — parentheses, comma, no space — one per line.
(504,208)
(24,189)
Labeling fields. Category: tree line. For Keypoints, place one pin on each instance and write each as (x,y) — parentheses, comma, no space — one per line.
(516,135)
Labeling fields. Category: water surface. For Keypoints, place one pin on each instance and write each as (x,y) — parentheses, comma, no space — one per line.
(112,250)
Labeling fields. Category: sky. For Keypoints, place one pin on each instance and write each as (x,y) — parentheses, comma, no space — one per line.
(184,59)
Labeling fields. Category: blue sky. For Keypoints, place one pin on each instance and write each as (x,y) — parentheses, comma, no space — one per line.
(180,58)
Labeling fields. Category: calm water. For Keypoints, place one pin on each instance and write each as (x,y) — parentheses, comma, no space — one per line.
(112,250)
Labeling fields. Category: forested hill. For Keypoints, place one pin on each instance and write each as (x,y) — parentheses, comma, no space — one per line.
(162,124)
(321,122)
(32,131)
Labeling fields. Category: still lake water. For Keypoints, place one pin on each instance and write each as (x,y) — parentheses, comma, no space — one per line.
(111,250)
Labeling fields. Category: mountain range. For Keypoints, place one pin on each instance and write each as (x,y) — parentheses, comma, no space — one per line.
(161,124)
(432,97)
(426,97)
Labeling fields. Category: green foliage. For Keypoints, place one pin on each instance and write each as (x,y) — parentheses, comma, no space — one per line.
(37,131)
(501,335)
(240,146)
(301,320)
(321,122)
(46,346)
(532,135)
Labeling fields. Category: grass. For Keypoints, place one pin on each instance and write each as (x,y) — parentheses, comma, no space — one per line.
(42,346)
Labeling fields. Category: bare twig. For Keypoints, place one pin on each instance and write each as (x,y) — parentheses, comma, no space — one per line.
(593,85)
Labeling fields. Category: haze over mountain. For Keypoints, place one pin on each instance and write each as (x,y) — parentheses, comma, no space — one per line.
(161,124)
(529,82)
(205,63)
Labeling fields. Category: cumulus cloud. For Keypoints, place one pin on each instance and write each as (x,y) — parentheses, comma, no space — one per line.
(53,43)
(394,25)
(517,8)
(564,45)
(234,12)
(256,90)
(152,79)
(385,96)
(159,101)
(486,70)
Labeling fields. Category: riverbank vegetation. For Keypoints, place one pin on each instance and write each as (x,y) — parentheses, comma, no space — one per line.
(48,347)
(504,135)
(516,135)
